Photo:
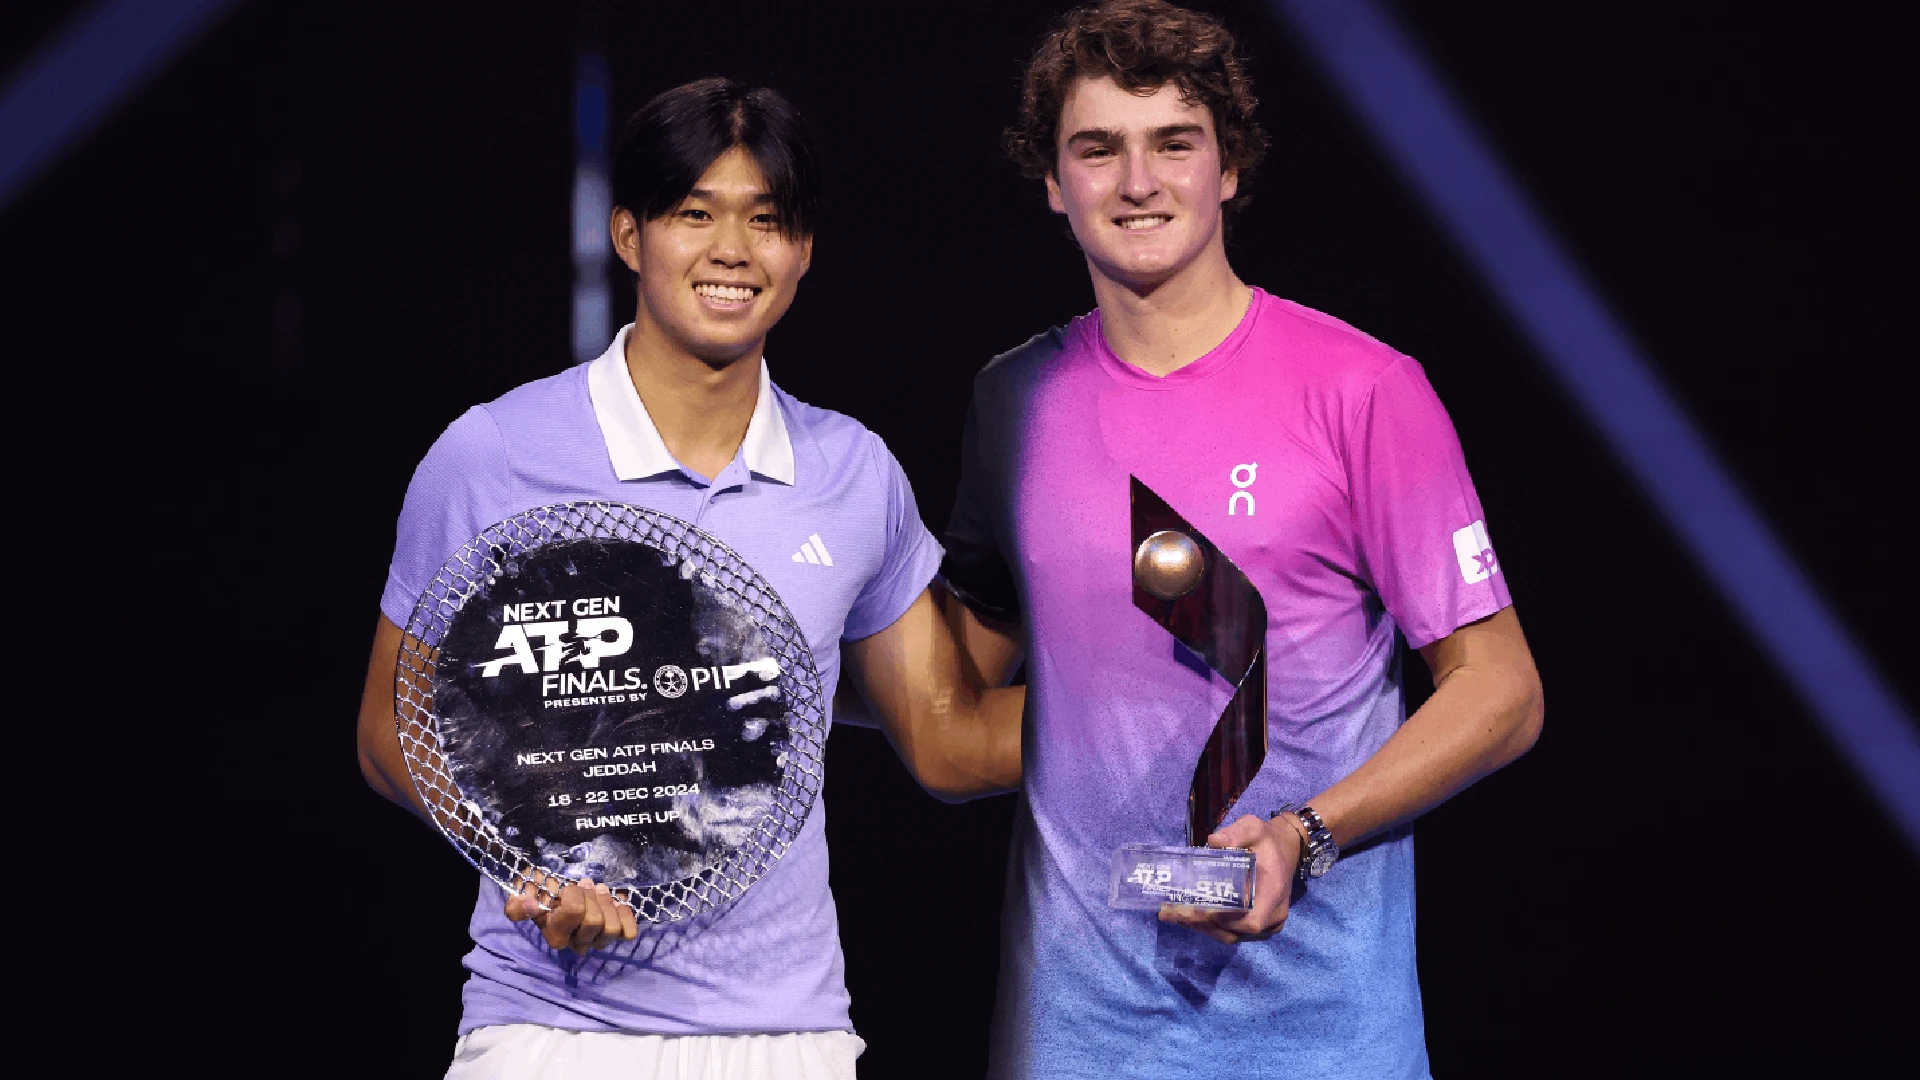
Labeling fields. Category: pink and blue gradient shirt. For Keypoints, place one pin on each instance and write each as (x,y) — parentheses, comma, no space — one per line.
(818,506)
(1321,462)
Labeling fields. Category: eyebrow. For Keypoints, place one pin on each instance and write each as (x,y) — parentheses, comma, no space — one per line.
(765,198)
(1108,135)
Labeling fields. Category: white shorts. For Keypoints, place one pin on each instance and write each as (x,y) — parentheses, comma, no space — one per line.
(533,1052)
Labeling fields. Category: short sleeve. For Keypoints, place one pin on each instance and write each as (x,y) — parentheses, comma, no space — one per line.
(912,555)
(457,490)
(975,570)
(1423,537)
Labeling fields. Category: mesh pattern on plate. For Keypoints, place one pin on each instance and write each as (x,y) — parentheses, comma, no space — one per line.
(717,566)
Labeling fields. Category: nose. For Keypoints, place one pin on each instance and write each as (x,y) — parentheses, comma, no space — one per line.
(1139,183)
(732,245)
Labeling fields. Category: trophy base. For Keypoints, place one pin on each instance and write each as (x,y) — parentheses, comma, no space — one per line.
(1148,875)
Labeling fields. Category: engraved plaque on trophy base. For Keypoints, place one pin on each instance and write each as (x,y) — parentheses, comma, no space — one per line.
(1148,875)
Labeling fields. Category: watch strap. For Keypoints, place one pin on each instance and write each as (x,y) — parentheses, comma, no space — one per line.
(1319,853)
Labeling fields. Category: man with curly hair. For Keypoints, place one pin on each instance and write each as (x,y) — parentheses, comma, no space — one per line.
(1322,464)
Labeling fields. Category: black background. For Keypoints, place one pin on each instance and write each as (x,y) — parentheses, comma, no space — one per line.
(235,317)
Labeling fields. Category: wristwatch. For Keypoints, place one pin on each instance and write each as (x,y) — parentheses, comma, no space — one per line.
(1318,852)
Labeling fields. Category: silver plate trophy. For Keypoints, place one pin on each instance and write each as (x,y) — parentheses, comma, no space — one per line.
(1210,606)
(601,691)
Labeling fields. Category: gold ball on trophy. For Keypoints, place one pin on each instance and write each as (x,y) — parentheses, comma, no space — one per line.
(1168,564)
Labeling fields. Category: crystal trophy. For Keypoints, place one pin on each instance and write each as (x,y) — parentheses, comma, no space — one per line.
(1184,583)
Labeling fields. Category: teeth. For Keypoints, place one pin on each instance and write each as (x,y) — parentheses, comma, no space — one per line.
(725,292)
(1147,222)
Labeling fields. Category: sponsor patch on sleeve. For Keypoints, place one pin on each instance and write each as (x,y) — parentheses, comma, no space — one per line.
(1475,552)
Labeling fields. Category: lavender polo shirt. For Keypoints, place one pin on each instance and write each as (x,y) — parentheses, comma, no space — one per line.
(818,506)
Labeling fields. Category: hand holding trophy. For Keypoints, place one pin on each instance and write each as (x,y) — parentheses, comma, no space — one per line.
(585,916)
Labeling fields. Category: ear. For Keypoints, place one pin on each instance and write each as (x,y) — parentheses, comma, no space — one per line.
(806,256)
(1054,202)
(1229,184)
(625,230)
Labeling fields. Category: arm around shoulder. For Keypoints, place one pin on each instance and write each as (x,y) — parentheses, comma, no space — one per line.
(960,738)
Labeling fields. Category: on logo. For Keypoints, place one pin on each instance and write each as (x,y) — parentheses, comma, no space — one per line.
(1475,552)
(1233,500)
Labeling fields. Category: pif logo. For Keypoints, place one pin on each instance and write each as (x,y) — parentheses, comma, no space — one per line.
(1233,500)
(670,680)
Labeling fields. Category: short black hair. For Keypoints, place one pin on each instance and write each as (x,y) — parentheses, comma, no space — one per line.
(676,137)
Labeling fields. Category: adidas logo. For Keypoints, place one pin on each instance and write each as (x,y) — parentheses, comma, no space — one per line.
(814,551)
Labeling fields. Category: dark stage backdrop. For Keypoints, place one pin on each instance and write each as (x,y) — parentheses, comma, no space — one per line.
(236,316)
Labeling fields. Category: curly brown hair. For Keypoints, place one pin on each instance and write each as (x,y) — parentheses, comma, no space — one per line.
(1141,45)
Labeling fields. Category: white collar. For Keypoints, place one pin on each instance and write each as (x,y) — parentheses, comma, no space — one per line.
(634,443)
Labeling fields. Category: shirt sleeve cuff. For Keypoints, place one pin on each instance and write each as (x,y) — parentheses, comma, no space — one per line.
(397,602)
(889,597)
(1472,613)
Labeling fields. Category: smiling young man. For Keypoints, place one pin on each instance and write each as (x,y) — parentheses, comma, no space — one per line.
(716,192)
(1320,462)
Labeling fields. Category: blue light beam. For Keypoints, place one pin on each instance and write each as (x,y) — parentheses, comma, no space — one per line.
(592,206)
(1428,137)
(77,80)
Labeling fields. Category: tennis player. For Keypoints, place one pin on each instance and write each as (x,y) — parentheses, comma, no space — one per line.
(717,192)
(1321,462)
